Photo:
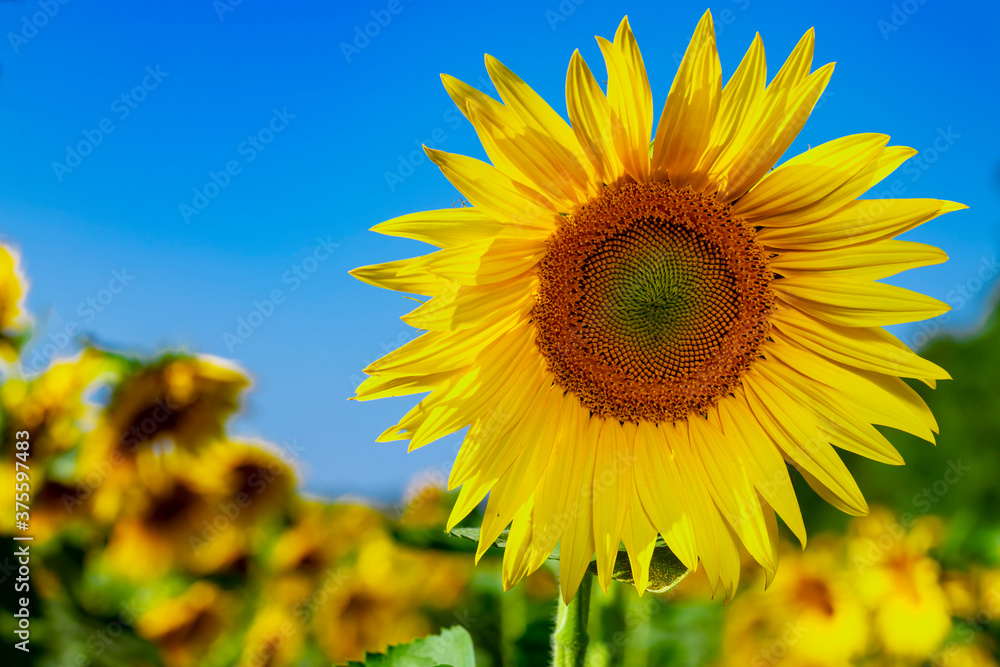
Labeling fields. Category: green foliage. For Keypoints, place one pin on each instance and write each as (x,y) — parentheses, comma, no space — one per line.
(451,648)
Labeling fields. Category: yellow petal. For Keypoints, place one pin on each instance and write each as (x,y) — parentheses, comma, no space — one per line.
(612,490)
(468,499)
(658,479)
(716,547)
(577,546)
(728,476)
(780,123)
(465,306)
(529,156)
(395,276)
(772,533)
(796,67)
(859,303)
(452,408)
(590,115)
(631,101)
(536,113)
(436,351)
(807,178)
(523,210)
(869,261)
(768,467)
(519,542)
(685,127)
(533,440)
(739,110)
(563,483)
(838,422)
(872,349)
(444,228)
(801,440)
(394,385)
(468,98)
(879,399)
(489,446)
(874,172)
(639,537)
(862,221)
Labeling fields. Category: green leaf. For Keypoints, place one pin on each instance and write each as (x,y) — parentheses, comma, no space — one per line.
(452,648)
(665,569)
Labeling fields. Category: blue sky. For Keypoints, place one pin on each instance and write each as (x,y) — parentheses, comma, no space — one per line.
(170,169)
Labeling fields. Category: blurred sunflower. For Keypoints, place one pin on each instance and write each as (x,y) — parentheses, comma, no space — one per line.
(185,627)
(256,480)
(274,638)
(52,406)
(901,583)
(178,401)
(965,655)
(425,505)
(810,616)
(383,599)
(13,319)
(172,515)
(322,534)
(638,335)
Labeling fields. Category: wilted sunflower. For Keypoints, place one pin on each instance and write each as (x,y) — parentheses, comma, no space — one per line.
(640,336)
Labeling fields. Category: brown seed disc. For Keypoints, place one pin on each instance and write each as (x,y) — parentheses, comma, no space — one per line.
(653,302)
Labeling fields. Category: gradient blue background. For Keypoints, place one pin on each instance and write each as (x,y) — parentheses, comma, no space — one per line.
(324,175)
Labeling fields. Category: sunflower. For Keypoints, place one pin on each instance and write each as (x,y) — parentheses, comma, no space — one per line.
(811,616)
(273,639)
(14,320)
(901,583)
(386,597)
(179,513)
(641,335)
(185,627)
(177,402)
(52,407)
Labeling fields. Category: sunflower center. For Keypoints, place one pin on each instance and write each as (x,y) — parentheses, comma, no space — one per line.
(653,302)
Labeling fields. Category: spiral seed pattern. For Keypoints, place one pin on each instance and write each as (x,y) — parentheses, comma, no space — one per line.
(653,302)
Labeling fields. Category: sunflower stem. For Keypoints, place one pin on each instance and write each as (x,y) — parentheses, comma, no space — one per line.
(570,639)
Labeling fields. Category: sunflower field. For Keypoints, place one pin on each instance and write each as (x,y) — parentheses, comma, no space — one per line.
(137,561)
